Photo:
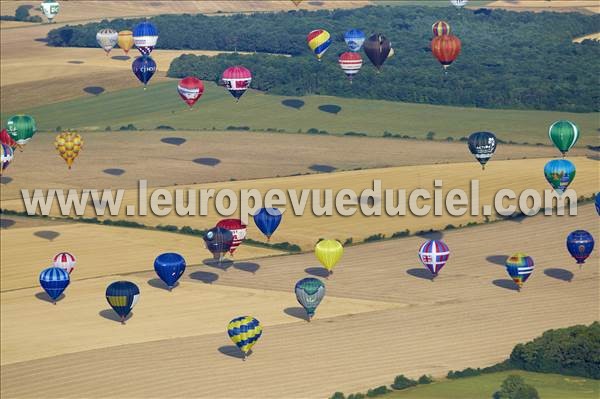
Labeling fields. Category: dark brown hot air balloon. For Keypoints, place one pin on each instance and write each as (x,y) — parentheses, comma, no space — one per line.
(377,48)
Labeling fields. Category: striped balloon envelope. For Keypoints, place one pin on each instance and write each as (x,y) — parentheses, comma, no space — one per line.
(440,28)
(519,267)
(350,64)
(237,80)
(446,49)
(309,293)
(318,41)
(6,139)
(145,36)
(237,228)
(564,135)
(6,156)
(244,331)
(65,261)
(434,254)
(122,296)
(54,281)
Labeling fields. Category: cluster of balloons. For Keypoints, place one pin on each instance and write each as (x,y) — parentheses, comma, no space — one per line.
(55,279)
(561,172)
(19,130)
(68,145)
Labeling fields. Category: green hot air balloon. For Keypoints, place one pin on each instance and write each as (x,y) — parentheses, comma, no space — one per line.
(21,128)
(309,292)
(564,135)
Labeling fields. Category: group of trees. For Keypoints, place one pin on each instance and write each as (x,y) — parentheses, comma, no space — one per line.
(22,15)
(509,59)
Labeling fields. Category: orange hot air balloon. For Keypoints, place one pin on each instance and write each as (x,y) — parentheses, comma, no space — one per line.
(446,49)
(68,145)
(125,40)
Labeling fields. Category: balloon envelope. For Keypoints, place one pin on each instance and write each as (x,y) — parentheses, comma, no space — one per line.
(580,245)
(144,68)
(564,135)
(377,48)
(107,39)
(54,281)
(237,80)
(122,297)
(446,49)
(354,39)
(267,220)
(244,331)
(68,145)
(350,64)
(50,8)
(309,293)
(434,254)
(519,267)
(21,128)
(125,40)
(329,253)
(597,202)
(190,90)
(560,173)
(169,267)
(483,146)
(440,28)
(65,261)
(218,241)
(318,41)
(237,228)
(459,3)
(145,36)
(6,139)
(6,156)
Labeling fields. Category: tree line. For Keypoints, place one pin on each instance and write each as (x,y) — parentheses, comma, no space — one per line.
(509,60)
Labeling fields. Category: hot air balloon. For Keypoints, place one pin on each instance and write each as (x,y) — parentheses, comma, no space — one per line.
(244,331)
(597,202)
(237,80)
(107,39)
(318,41)
(218,241)
(267,220)
(559,173)
(54,281)
(122,297)
(144,68)
(169,267)
(329,253)
(580,245)
(145,36)
(391,54)
(125,40)
(65,261)
(519,267)
(68,145)
(296,2)
(190,90)
(354,39)
(440,28)
(483,146)
(564,135)
(459,3)
(21,129)
(350,64)
(309,293)
(446,49)
(237,228)
(6,156)
(434,254)
(377,48)
(50,8)
(6,139)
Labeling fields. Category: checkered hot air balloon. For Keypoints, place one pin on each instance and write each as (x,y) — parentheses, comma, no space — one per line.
(65,261)
(54,281)
(318,41)
(145,36)
(237,228)
(350,64)
(244,331)
(519,267)
(434,254)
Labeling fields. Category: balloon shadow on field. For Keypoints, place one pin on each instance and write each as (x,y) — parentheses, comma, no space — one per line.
(158,283)
(330,108)
(207,161)
(421,273)
(6,223)
(317,271)
(114,171)
(94,90)
(559,274)
(221,265)
(506,284)
(121,57)
(42,296)
(110,314)
(205,277)
(249,267)
(5,179)
(431,235)
(297,312)
(497,259)
(316,3)
(173,140)
(293,103)
(232,351)
(76,62)
(47,234)
(322,168)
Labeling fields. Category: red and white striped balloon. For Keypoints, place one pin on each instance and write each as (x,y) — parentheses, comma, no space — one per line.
(65,261)
(237,228)
(350,63)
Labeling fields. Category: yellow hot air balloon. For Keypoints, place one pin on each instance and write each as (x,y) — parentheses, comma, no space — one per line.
(68,145)
(125,40)
(329,252)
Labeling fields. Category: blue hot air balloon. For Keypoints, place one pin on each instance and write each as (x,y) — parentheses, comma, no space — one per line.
(54,280)
(144,68)
(169,267)
(122,297)
(267,220)
(559,173)
(580,244)
(218,241)
(145,36)
(309,293)
(354,38)
(598,203)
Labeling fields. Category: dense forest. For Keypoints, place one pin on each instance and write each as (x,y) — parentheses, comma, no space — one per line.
(509,59)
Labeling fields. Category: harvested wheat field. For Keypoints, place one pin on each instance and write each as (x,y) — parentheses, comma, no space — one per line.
(206,157)
(470,316)
(100,251)
(593,36)
(589,6)
(305,230)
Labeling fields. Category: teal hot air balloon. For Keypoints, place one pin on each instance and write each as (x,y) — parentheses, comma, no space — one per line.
(564,135)
(310,292)
(122,297)
(559,173)
(21,129)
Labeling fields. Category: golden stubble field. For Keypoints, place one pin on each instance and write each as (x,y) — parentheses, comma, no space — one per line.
(383,317)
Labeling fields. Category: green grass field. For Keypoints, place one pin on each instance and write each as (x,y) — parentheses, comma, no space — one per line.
(549,386)
(161,105)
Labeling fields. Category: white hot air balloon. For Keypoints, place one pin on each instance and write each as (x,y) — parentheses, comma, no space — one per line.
(50,8)
(107,39)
